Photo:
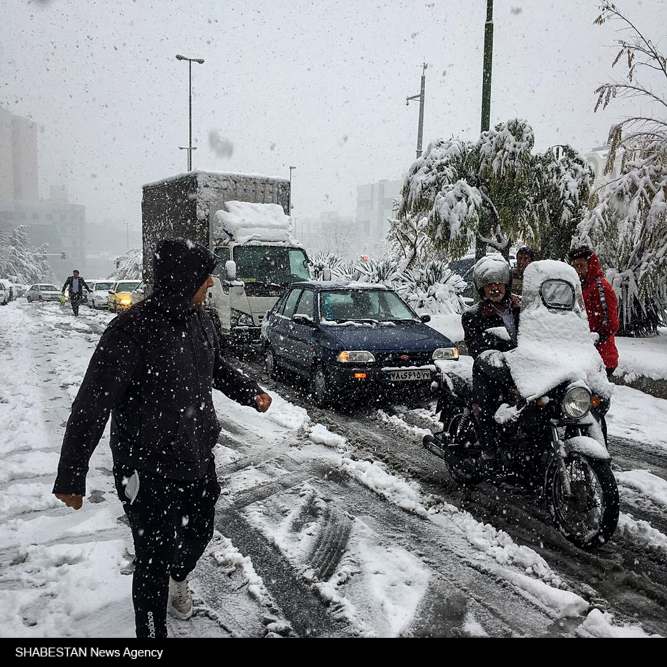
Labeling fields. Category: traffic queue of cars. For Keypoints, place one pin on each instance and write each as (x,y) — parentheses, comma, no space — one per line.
(345,339)
(113,295)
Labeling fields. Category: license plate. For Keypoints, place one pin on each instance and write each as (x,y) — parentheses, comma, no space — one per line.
(400,376)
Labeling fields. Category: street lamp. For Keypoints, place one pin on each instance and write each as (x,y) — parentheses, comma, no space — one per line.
(190,61)
(291,169)
(480,246)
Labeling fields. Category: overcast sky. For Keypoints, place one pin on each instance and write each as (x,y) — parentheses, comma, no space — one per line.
(320,85)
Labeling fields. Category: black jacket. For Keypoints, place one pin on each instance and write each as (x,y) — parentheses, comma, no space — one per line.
(153,370)
(82,284)
(476,324)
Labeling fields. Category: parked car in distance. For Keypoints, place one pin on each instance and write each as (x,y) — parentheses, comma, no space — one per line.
(138,294)
(6,295)
(346,338)
(99,294)
(20,289)
(120,294)
(43,292)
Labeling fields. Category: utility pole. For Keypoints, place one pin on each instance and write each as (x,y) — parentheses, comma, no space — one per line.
(420,97)
(480,246)
(291,169)
(189,148)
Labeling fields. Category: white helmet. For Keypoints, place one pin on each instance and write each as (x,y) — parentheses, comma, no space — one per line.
(491,269)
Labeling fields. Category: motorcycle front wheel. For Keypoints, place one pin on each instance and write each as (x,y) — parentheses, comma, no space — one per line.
(587,516)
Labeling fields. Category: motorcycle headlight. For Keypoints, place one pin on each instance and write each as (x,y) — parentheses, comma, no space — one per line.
(355,357)
(450,353)
(577,402)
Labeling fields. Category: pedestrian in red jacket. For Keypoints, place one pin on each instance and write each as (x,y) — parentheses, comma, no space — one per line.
(601,304)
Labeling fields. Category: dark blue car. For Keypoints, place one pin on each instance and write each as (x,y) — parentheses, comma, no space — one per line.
(345,337)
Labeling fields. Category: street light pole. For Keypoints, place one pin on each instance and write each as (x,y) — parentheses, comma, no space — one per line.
(421,97)
(291,169)
(480,246)
(190,61)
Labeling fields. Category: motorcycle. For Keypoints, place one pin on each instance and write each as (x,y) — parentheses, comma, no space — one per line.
(551,428)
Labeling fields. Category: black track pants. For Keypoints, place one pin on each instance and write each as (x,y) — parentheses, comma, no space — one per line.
(171,522)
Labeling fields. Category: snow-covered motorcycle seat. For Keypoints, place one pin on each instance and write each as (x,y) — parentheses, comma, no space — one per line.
(554,340)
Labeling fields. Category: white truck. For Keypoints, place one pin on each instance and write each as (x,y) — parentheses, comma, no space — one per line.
(244,220)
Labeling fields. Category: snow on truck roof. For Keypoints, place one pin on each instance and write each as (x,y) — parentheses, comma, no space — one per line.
(176,177)
(244,221)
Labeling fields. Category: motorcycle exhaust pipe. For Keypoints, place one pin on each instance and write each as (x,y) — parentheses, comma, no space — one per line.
(432,445)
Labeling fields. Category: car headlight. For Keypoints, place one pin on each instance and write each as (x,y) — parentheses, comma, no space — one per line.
(125,300)
(577,402)
(355,357)
(241,319)
(451,353)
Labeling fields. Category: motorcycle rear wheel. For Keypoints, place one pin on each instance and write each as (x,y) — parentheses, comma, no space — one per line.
(588,517)
(462,463)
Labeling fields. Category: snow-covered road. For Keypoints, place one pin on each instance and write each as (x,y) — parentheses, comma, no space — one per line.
(315,536)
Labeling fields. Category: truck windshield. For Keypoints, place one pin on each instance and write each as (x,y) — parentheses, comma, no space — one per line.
(270,264)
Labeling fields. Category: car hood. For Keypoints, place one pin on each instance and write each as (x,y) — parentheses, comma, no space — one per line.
(404,336)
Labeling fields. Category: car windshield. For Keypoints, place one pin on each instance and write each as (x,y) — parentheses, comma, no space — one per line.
(363,305)
(48,288)
(103,286)
(127,287)
(270,264)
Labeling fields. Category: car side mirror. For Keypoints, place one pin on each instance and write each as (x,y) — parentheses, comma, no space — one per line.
(425,317)
(300,318)
(230,269)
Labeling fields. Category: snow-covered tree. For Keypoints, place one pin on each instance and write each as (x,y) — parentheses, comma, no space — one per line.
(628,226)
(22,263)
(320,261)
(493,190)
(564,178)
(428,284)
(434,286)
(129,266)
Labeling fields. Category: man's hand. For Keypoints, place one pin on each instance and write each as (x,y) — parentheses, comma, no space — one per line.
(263,402)
(72,500)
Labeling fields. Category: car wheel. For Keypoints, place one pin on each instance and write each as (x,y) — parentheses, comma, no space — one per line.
(319,387)
(270,363)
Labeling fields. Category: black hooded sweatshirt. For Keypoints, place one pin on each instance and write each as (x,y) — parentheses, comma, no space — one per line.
(153,370)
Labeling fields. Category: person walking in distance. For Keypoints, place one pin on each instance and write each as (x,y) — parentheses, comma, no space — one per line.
(154,370)
(76,284)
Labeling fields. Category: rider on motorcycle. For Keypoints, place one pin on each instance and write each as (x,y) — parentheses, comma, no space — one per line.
(490,328)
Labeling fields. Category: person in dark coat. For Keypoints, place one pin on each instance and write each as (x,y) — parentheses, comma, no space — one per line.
(601,304)
(153,370)
(76,285)
(490,327)
(524,256)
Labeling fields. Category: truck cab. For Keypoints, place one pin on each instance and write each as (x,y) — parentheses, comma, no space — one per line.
(248,281)
(259,258)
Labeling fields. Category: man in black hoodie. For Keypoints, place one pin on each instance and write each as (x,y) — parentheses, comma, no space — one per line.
(153,371)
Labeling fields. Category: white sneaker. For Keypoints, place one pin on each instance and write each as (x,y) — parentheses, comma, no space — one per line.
(180,599)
